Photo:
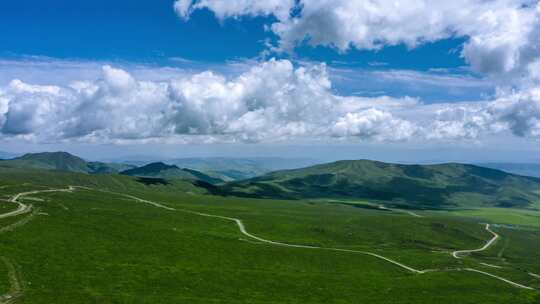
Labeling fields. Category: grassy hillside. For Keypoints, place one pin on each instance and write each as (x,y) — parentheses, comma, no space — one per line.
(92,246)
(107,168)
(161,170)
(48,161)
(426,186)
(61,161)
(15,179)
(212,170)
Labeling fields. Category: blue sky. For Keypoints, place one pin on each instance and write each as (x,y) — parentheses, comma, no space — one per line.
(436,67)
(149,32)
(143,31)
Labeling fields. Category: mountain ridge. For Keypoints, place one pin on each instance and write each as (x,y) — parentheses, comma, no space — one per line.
(438,185)
(162,170)
(60,161)
(64,161)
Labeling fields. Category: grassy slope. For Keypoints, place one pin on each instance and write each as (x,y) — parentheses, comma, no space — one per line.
(108,168)
(171,172)
(106,249)
(61,161)
(48,161)
(518,217)
(430,186)
(519,249)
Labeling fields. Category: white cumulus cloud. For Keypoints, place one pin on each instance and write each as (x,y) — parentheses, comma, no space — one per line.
(501,41)
(502,36)
(274,100)
(517,113)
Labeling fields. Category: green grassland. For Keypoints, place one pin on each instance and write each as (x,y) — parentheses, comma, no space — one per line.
(5,207)
(519,249)
(91,246)
(519,217)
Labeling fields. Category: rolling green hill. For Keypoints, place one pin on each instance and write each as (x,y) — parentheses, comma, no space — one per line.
(425,186)
(61,161)
(228,168)
(107,168)
(115,239)
(161,170)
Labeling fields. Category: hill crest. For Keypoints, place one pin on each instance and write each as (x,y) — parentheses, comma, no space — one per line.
(429,186)
(61,161)
(162,170)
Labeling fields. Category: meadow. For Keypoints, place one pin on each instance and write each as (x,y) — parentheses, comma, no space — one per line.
(94,246)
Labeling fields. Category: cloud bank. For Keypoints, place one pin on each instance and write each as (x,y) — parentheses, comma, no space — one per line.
(501,41)
(272,101)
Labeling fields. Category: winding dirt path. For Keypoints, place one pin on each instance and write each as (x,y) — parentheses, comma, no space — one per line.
(24,208)
(243,230)
(21,222)
(534,275)
(21,209)
(491,265)
(16,291)
(499,278)
(490,242)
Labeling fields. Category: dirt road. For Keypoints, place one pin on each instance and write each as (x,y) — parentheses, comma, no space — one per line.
(490,242)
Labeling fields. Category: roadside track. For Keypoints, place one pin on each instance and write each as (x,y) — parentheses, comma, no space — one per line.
(24,208)
(16,290)
(490,242)
(243,230)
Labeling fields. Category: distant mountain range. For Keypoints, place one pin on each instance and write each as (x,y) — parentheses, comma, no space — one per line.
(161,170)
(425,186)
(226,168)
(241,168)
(63,161)
(408,186)
(7,155)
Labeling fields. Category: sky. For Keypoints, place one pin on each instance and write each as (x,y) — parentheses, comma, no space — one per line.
(413,81)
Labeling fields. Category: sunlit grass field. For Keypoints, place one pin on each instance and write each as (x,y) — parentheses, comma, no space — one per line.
(518,217)
(91,246)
